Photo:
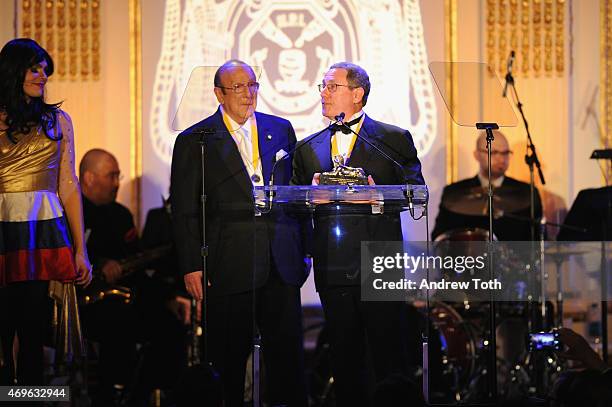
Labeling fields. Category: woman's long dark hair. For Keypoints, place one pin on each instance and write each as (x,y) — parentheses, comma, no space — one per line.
(23,114)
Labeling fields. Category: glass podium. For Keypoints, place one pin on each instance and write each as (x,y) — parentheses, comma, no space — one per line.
(333,213)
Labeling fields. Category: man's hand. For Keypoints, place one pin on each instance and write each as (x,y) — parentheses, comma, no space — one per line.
(111,271)
(315,178)
(181,307)
(371,180)
(193,284)
(577,348)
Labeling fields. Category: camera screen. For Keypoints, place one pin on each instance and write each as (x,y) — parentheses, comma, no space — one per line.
(544,340)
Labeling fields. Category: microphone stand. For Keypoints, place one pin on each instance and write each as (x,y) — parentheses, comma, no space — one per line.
(531,157)
(492,365)
(205,133)
(409,194)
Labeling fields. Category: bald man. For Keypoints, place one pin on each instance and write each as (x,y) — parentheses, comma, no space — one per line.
(99,175)
(509,227)
(112,234)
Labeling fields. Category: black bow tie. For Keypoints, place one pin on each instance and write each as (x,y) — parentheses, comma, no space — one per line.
(344,128)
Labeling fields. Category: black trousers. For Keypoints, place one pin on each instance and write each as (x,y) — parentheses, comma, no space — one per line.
(25,310)
(275,309)
(368,342)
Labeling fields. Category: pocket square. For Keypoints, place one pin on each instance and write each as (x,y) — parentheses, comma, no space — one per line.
(280,154)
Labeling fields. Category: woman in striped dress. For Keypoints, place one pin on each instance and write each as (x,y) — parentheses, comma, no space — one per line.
(41,220)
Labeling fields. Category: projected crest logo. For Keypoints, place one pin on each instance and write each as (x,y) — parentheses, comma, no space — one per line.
(294,43)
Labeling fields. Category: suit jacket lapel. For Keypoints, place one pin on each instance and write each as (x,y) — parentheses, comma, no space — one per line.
(266,146)
(231,155)
(362,152)
(322,151)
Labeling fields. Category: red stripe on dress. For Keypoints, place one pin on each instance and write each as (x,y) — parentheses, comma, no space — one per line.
(38,264)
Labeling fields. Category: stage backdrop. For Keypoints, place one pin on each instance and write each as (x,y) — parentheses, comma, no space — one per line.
(294,42)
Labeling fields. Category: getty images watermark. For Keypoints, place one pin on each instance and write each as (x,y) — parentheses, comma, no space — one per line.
(411,264)
(479,271)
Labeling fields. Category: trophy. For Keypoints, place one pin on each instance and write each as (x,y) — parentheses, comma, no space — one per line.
(343,175)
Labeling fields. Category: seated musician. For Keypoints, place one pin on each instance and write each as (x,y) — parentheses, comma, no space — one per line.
(116,322)
(464,204)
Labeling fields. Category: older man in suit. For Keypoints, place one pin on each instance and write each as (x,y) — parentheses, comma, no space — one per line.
(361,333)
(255,263)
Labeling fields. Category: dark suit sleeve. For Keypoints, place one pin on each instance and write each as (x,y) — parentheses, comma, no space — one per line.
(399,145)
(410,162)
(292,143)
(185,191)
(299,173)
(292,138)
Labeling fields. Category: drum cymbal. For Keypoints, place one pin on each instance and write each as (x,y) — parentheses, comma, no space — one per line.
(474,201)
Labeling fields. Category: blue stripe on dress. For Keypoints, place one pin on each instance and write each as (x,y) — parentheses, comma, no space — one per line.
(31,235)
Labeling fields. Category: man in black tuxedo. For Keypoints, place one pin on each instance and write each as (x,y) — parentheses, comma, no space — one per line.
(513,226)
(252,260)
(361,333)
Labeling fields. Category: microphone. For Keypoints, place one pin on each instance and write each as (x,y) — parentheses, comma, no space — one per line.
(338,119)
(510,62)
(509,78)
(409,193)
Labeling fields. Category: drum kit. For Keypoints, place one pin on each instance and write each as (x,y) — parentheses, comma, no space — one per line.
(459,330)
(462,325)
(464,331)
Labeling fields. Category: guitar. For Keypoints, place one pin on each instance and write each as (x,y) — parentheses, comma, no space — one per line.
(99,289)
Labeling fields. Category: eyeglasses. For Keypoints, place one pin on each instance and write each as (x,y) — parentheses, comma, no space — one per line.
(242,87)
(111,175)
(497,153)
(331,87)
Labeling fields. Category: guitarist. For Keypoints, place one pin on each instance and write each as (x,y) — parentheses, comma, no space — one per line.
(111,236)
(116,325)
